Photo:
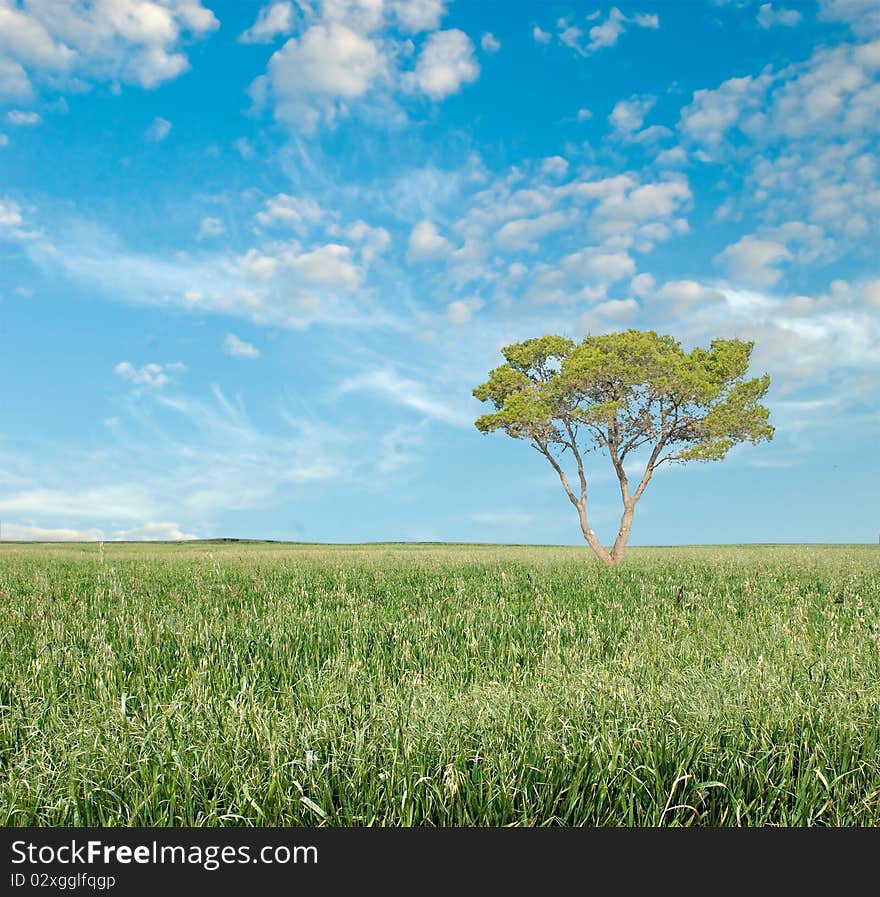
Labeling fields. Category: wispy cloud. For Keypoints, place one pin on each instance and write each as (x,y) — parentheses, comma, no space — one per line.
(408,393)
(239,348)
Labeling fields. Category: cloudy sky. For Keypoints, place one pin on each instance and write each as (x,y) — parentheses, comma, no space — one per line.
(254,258)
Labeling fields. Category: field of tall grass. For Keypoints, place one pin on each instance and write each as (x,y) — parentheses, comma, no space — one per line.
(260,684)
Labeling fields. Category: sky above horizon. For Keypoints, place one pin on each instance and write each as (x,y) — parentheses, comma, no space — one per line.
(255,257)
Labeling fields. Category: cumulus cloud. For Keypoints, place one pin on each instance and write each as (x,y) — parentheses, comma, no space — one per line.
(525,233)
(14,82)
(129,41)
(22,119)
(426,244)
(329,265)
(555,166)
(415,16)
(541,36)
(805,134)
(828,95)
(239,348)
(10,214)
(490,43)
(768,16)
(153,375)
(604,34)
(159,129)
(371,241)
(210,227)
(863,16)
(272,21)
(259,266)
(17,532)
(445,64)
(296,212)
(153,532)
(460,311)
(244,148)
(354,57)
(312,78)
(754,261)
(628,116)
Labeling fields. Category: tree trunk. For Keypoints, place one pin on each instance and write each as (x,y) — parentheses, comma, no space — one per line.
(592,539)
(623,533)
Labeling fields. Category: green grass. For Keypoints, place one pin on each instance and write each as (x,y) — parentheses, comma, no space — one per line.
(258,684)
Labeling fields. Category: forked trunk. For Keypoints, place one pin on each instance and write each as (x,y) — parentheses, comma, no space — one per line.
(623,533)
(615,556)
(592,539)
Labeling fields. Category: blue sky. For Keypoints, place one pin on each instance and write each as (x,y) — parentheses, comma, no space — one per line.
(255,257)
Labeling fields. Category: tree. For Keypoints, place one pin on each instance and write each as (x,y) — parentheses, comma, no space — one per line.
(621,393)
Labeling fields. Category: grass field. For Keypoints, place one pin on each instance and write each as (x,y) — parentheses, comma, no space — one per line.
(273,684)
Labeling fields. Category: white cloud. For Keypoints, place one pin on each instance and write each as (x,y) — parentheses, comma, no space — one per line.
(15,532)
(628,116)
(712,113)
(153,532)
(754,261)
(239,348)
(584,115)
(273,20)
(642,285)
(605,34)
(152,375)
(426,244)
(863,16)
(755,258)
(408,393)
(130,41)
(4,140)
(555,166)
(292,211)
(10,214)
(258,266)
(672,157)
(832,94)
(768,16)
(329,265)
(210,227)
(159,129)
(685,297)
(524,233)
(398,448)
(22,119)
(14,82)
(628,212)
(540,36)
(128,501)
(372,241)
(314,77)
(460,311)
(244,148)
(870,294)
(417,15)
(490,43)
(445,64)
(617,309)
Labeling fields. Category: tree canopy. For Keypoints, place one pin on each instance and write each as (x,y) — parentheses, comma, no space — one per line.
(622,392)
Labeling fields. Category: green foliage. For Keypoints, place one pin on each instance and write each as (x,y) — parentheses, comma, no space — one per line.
(261,685)
(625,390)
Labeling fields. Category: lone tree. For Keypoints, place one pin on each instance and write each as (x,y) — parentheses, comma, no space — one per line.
(623,392)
